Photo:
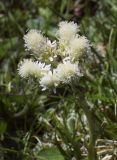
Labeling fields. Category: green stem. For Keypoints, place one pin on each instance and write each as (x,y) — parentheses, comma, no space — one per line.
(91,123)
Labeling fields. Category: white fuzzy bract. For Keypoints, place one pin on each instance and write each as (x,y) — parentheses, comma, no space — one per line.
(49,80)
(67,70)
(67,31)
(34,41)
(51,44)
(29,68)
(78,46)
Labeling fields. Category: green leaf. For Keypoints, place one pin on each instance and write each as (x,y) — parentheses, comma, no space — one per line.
(50,154)
(3,127)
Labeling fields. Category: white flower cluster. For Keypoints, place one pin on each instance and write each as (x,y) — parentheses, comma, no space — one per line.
(59,59)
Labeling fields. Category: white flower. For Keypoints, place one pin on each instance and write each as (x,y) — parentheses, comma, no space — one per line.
(51,59)
(50,50)
(51,44)
(34,41)
(29,68)
(48,80)
(78,46)
(67,31)
(67,70)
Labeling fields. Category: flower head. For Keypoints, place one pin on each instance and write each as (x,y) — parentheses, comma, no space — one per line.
(78,46)
(67,70)
(67,31)
(49,79)
(34,41)
(29,68)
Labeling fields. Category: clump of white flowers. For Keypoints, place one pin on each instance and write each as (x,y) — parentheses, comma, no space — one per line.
(56,62)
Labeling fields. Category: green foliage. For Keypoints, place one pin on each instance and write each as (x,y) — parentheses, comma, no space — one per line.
(29,118)
(3,127)
(50,154)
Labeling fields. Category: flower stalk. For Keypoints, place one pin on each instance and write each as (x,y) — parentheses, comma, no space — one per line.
(92,133)
(91,147)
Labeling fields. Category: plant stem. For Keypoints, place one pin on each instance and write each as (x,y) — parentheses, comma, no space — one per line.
(91,122)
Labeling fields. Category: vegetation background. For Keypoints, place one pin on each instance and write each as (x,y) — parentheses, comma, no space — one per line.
(30,120)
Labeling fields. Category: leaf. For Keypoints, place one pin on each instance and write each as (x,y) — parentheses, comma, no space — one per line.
(3,127)
(50,154)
